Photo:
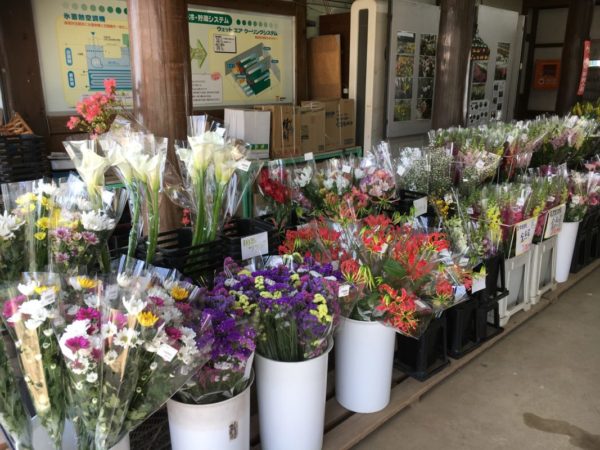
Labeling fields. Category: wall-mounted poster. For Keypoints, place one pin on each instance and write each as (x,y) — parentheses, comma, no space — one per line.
(500,75)
(80,44)
(240,58)
(411,73)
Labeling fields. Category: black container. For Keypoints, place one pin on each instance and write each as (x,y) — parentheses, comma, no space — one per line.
(586,242)
(495,280)
(462,328)
(405,203)
(488,320)
(22,158)
(234,231)
(421,358)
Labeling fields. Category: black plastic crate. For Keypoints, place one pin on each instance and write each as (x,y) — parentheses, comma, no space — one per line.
(462,328)
(421,358)
(234,231)
(495,279)
(488,320)
(586,242)
(22,158)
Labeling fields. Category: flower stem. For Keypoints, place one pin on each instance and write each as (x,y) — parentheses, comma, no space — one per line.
(135,223)
(198,237)
(153,224)
(212,233)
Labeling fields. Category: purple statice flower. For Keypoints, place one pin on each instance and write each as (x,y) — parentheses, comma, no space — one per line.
(90,237)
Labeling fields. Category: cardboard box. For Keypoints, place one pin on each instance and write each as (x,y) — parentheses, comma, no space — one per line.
(312,128)
(340,127)
(285,130)
(251,126)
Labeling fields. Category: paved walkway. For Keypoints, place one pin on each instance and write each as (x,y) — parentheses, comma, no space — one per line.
(538,388)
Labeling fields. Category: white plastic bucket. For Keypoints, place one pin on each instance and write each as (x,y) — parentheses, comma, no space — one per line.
(223,425)
(291,402)
(364,359)
(564,250)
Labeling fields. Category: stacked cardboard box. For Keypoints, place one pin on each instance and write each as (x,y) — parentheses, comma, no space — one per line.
(340,129)
(285,130)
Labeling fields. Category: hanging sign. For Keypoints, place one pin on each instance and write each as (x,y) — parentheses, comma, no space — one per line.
(586,65)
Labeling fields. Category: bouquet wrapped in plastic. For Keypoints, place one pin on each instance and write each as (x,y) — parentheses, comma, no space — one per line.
(274,184)
(123,354)
(306,194)
(375,177)
(28,310)
(412,170)
(31,202)
(229,370)
(584,189)
(79,231)
(14,419)
(12,243)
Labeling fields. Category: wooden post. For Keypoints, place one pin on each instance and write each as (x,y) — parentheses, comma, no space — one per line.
(579,23)
(452,61)
(19,63)
(161,75)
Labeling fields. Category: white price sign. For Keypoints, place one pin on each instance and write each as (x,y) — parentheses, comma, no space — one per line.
(420,206)
(524,235)
(554,221)
(478,283)
(255,245)
(309,156)
(48,296)
(244,165)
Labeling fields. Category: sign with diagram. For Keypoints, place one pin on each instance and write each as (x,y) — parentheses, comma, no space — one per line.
(82,43)
(240,58)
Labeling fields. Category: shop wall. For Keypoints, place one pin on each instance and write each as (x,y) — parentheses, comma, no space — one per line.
(550,35)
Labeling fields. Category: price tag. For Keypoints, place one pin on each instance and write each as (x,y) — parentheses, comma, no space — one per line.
(470,211)
(480,164)
(524,235)
(48,296)
(112,292)
(554,221)
(421,304)
(401,170)
(346,168)
(107,197)
(166,352)
(309,156)
(478,283)
(244,165)
(255,245)
(384,248)
(344,290)
(420,206)
(335,265)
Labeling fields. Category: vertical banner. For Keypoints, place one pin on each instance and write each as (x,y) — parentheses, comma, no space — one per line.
(586,65)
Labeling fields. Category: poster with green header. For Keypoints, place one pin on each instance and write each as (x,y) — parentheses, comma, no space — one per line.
(240,58)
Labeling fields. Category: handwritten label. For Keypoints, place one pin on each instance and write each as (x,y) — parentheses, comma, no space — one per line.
(48,296)
(554,221)
(344,290)
(401,170)
(420,206)
(470,211)
(309,156)
(524,235)
(166,352)
(346,168)
(112,292)
(478,283)
(244,165)
(255,245)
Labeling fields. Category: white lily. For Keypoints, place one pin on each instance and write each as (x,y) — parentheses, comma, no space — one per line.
(203,148)
(90,165)
(224,164)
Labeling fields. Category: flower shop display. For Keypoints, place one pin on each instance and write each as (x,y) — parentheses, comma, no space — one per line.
(217,397)
(297,312)
(275,185)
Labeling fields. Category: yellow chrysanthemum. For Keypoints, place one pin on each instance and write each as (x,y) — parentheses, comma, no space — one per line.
(25,199)
(179,293)
(87,283)
(40,236)
(41,289)
(147,319)
(43,223)
(44,201)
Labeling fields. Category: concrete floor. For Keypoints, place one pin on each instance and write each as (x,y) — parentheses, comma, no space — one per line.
(538,388)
